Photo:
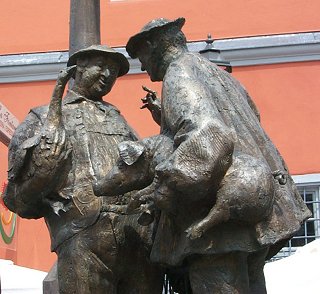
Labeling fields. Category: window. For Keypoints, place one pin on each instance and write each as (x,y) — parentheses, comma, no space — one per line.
(309,188)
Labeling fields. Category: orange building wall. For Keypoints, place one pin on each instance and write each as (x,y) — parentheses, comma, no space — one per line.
(40,26)
(287,96)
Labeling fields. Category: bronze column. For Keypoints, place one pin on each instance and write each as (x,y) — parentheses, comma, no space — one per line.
(84,24)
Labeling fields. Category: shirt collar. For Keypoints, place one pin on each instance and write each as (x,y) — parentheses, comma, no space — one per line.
(73,97)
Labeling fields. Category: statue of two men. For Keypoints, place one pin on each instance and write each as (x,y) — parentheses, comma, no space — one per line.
(217,191)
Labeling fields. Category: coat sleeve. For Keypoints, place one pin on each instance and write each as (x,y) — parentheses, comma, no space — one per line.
(203,144)
(31,178)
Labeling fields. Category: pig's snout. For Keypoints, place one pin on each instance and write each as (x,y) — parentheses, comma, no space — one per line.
(97,187)
(111,185)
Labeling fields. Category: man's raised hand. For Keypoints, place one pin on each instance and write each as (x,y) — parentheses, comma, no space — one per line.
(152,103)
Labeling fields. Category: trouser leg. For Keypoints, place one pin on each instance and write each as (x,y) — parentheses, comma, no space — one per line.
(256,263)
(86,262)
(108,257)
(143,280)
(219,274)
(83,273)
(137,274)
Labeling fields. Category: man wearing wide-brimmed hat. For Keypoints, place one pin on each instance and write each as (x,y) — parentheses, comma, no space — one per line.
(213,123)
(55,155)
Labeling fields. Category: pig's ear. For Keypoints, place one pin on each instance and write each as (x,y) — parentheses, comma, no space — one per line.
(130,151)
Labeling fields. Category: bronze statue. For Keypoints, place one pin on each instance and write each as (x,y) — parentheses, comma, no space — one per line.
(55,155)
(225,197)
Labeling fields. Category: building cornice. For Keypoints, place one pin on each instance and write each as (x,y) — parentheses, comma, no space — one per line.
(307,179)
(258,50)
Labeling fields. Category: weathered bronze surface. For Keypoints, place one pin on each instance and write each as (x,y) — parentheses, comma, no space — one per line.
(213,179)
(55,155)
(84,27)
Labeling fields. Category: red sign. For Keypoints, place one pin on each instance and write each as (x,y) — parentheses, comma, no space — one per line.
(8,123)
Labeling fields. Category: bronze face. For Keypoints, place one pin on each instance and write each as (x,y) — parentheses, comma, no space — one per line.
(97,76)
(150,61)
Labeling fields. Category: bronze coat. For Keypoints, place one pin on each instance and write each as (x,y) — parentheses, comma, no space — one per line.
(209,115)
(93,129)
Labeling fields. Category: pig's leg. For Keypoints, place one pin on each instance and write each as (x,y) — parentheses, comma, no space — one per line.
(140,197)
(246,194)
(218,214)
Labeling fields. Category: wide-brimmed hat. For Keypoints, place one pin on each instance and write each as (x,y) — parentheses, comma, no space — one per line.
(105,50)
(150,28)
